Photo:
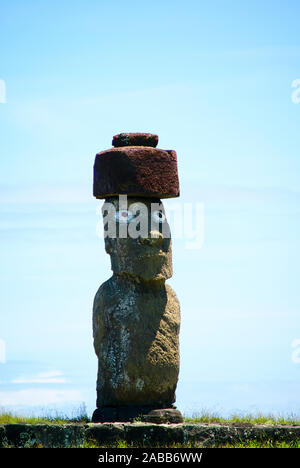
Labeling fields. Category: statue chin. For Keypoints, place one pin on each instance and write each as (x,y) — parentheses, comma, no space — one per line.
(156,267)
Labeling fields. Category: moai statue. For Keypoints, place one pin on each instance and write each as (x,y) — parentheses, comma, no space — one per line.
(136,315)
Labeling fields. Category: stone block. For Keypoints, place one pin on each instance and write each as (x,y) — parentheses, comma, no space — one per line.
(136,171)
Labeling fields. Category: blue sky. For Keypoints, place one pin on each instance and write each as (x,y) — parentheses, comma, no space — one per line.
(213,80)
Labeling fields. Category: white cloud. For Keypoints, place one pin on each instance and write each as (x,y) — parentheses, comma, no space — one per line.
(34,397)
(41,378)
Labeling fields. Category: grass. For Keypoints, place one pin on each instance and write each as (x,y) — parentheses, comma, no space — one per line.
(205,417)
(121,444)
(250,444)
(79,417)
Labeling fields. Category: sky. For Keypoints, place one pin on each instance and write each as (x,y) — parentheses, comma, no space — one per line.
(216,81)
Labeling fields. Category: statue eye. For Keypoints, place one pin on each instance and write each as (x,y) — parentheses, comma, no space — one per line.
(158,216)
(124,216)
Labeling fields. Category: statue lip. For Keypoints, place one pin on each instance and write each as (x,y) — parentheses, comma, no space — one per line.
(154,254)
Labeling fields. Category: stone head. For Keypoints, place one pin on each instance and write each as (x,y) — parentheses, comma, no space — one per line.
(137,237)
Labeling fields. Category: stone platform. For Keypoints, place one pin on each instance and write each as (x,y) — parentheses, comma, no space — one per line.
(141,434)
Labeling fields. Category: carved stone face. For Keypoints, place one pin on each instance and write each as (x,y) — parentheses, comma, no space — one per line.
(141,243)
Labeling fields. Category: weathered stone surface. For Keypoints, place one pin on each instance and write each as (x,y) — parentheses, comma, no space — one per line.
(135,139)
(143,434)
(2,437)
(136,327)
(45,435)
(152,435)
(209,435)
(148,258)
(161,416)
(215,435)
(144,413)
(104,433)
(17,434)
(120,413)
(136,171)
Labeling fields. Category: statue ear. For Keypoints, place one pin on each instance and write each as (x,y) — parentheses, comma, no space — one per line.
(108,245)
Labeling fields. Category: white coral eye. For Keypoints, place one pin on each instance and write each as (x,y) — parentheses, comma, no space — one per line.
(124,216)
(158,216)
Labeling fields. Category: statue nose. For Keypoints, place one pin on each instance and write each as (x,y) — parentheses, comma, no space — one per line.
(155,238)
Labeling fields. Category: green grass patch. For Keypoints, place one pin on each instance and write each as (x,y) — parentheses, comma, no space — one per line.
(121,444)
(80,417)
(206,417)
